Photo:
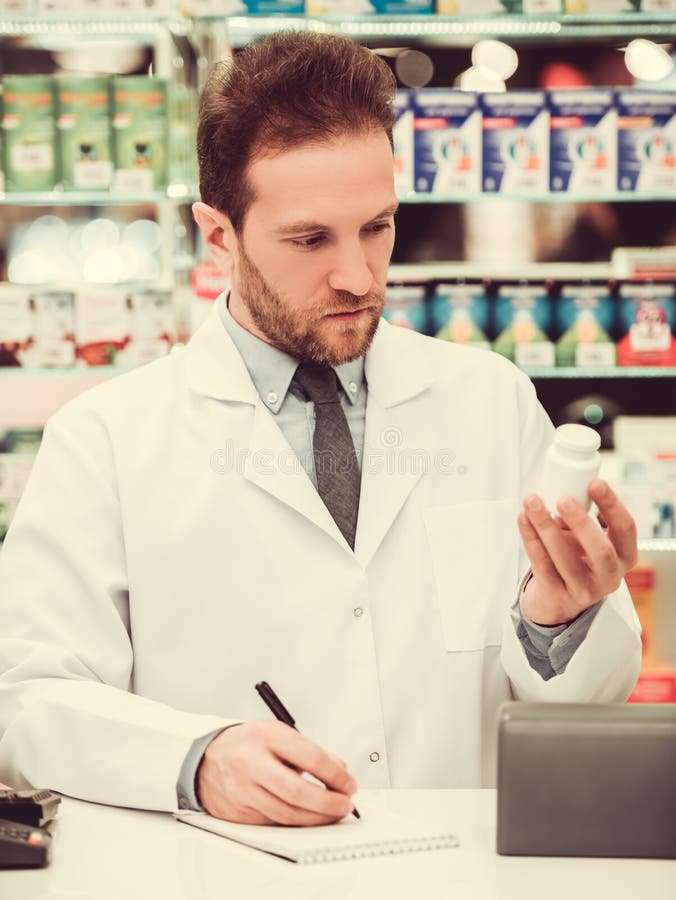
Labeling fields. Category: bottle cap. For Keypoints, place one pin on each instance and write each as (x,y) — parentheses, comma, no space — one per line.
(578,438)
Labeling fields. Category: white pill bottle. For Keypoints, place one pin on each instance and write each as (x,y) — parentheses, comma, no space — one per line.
(572,461)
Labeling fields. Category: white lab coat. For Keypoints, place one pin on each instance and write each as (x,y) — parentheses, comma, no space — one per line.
(168,554)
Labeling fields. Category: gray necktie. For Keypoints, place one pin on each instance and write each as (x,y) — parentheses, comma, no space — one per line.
(336,466)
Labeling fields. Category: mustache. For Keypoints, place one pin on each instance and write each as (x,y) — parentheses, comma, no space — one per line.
(344,301)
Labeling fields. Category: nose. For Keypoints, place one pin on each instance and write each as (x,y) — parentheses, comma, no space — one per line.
(350,270)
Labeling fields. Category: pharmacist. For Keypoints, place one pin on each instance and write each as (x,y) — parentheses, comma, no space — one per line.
(351,529)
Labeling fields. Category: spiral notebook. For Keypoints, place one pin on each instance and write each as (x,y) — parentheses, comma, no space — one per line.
(379,832)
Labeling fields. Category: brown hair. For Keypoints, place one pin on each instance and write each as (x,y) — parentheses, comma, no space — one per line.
(287,90)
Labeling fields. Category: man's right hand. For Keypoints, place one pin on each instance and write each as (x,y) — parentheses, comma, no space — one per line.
(251,773)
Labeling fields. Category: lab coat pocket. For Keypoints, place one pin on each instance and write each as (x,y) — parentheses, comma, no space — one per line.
(475,557)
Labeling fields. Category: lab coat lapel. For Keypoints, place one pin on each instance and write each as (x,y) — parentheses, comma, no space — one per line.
(398,442)
(215,369)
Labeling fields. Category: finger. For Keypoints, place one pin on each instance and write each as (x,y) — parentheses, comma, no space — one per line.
(274,808)
(600,555)
(298,750)
(541,564)
(296,791)
(619,521)
(565,558)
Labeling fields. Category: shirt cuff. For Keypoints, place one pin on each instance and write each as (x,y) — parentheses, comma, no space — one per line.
(185,786)
(549,648)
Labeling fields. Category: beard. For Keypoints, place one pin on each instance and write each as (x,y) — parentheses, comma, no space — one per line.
(309,335)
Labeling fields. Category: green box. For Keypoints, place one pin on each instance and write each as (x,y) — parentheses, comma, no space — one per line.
(140,134)
(84,127)
(28,125)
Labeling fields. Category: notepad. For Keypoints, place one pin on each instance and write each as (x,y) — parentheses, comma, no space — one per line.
(377,833)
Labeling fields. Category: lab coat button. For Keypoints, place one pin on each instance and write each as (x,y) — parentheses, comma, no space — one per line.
(375,756)
(358,611)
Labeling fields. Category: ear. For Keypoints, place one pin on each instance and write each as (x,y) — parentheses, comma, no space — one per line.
(218,233)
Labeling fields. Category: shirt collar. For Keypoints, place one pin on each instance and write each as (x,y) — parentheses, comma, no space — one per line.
(272,370)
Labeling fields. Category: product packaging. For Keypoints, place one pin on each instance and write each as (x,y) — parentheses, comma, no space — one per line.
(646,141)
(523,317)
(15,324)
(537,7)
(101,324)
(583,141)
(641,583)
(275,7)
(150,327)
(139,133)
(28,125)
(405,306)
(647,314)
(402,135)
(339,8)
(52,340)
(208,283)
(515,142)
(84,128)
(199,8)
(460,313)
(600,6)
(475,7)
(585,320)
(403,7)
(447,142)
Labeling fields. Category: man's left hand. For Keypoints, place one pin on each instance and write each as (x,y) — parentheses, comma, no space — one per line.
(575,563)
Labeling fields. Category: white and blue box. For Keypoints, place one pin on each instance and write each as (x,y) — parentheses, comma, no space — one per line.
(402,136)
(515,145)
(583,141)
(447,128)
(646,141)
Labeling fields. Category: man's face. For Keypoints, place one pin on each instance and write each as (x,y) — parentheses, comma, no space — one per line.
(310,266)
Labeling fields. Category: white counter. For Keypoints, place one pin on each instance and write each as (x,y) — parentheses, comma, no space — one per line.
(106,853)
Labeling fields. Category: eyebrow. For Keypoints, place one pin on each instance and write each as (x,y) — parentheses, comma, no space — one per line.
(306,226)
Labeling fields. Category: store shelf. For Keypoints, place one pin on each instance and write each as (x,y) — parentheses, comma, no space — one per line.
(78,26)
(545,197)
(461,30)
(605,372)
(176,193)
(650,545)
(518,271)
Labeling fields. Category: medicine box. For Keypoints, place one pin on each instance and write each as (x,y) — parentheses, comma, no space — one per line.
(461,313)
(84,128)
(339,8)
(474,7)
(52,341)
(150,327)
(405,306)
(404,152)
(403,7)
(447,127)
(599,6)
(139,133)
(28,125)
(647,314)
(523,318)
(15,324)
(646,141)
(583,141)
(515,142)
(101,324)
(585,321)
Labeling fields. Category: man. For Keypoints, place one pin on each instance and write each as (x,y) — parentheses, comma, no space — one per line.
(345,529)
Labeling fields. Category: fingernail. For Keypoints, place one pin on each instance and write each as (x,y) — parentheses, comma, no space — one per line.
(533,503)
(567,504)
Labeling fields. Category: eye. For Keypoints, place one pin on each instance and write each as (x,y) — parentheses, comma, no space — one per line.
(378,227)
(308,243)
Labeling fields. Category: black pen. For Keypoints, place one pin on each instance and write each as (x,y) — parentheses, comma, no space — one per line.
(279,711)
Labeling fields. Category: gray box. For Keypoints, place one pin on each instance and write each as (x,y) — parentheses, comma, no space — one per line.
(587,780)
